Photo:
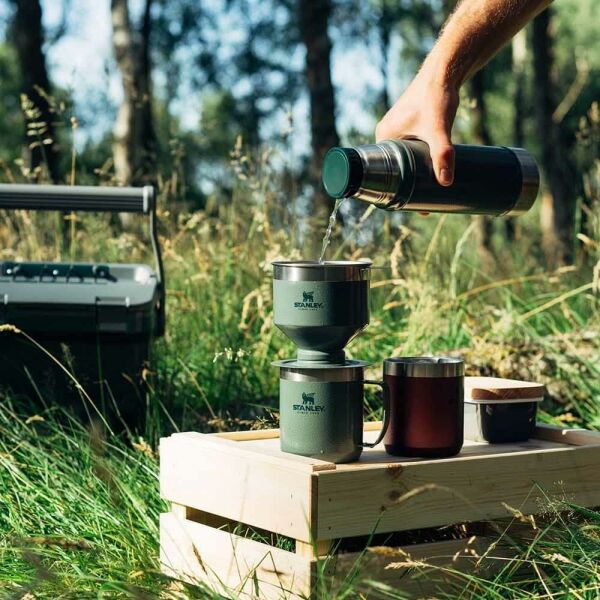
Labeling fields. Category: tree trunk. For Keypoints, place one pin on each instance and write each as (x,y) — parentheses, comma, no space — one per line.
(313,21)
(27,34)
(519,56)
(481,135)
(384,26)
(558,207)
(134,145)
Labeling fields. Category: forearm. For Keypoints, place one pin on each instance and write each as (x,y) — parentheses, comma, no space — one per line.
(474,33)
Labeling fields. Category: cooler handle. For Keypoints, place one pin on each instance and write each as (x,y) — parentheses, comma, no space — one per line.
(94,199)
(77,197)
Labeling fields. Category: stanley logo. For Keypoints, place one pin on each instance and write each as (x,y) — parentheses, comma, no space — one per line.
(308,301)
(308,404)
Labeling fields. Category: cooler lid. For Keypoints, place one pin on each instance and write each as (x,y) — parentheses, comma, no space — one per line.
(54,285)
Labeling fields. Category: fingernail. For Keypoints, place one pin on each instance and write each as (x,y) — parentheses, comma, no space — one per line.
(445,176)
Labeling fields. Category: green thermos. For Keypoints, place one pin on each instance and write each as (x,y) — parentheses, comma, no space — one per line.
(398,175)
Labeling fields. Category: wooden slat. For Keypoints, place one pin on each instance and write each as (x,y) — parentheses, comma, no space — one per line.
(575,437)
(244,436)
(239,486)
(268,454)
(430,493)
(203,555)
(401,568)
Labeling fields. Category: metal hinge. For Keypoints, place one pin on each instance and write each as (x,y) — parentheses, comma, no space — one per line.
(3,308)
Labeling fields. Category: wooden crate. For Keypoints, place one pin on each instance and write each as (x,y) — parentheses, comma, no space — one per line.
(215,482)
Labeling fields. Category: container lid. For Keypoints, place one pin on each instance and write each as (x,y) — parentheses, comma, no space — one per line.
(342,172)
(424,366)
(496,389)
(505,401)
(328,270)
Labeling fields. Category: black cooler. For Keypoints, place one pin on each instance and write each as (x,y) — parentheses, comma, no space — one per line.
(97,319)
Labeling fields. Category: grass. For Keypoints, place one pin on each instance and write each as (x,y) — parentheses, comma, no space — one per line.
(79,511)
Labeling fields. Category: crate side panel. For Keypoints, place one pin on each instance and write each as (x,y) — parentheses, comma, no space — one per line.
(206,556)
(430,494)
(396,566)
(236,486)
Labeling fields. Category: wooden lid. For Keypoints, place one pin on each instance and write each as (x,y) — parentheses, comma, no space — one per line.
(496,388)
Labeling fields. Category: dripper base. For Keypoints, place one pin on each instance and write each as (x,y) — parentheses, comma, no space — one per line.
(314,357)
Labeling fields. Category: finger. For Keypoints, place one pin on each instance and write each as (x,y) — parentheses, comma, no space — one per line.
(381,131)
(442,157)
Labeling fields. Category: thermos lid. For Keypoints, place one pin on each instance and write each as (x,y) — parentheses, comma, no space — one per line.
(342,172)
(424,366)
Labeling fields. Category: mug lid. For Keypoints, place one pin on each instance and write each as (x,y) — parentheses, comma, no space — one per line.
(424,366)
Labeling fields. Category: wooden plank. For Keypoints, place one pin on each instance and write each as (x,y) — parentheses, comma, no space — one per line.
(378,456)
(431,493)
(270,454)
(228,564)
(418,570)
(208,557)
(244,436)
(237,485)
(575,437)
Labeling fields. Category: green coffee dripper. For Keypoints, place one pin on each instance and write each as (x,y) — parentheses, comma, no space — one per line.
(321,306)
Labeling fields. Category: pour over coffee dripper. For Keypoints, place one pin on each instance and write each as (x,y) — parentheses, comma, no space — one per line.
(321,306)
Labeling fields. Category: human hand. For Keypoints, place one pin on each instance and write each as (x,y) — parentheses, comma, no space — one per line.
(426,110)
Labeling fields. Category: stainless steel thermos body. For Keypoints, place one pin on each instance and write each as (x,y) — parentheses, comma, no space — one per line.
(398,175)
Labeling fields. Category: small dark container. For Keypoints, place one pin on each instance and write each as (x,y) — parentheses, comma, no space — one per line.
(500,422)
(426,406)
(500,411)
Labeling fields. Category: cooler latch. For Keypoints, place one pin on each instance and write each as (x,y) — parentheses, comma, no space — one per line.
(3,308)
(112,314)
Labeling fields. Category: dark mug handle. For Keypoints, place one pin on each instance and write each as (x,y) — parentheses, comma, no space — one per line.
(386,412)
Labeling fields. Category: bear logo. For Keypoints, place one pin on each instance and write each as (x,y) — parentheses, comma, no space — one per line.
(308,296)
(308,398)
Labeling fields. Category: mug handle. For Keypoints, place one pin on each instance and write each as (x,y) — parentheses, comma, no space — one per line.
(386,412)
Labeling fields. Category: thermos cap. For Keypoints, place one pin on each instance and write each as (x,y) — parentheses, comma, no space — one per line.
(342,172)
(424,366)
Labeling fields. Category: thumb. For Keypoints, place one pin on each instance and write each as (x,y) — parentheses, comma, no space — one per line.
(442,157)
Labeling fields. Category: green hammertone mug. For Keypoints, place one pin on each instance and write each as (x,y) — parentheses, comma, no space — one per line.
(321,410)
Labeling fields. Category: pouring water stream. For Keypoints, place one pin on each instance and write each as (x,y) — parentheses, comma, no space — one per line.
(330,226)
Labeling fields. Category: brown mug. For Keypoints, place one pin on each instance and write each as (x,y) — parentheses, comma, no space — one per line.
(426,406)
